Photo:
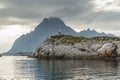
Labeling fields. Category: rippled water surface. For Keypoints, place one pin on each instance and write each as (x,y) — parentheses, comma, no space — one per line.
(23,68)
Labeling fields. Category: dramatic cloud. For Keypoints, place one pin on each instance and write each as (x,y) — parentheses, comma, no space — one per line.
(38,9)
(107,5)
(102,15)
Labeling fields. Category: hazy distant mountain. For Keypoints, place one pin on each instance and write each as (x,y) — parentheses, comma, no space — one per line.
(92,33)
(48,27)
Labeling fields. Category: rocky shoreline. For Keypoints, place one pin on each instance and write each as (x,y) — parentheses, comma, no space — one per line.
(71,47)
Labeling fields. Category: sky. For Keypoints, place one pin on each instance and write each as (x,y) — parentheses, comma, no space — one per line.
(19,17)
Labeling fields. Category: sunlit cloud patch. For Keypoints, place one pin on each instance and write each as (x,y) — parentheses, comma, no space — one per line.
(106,5)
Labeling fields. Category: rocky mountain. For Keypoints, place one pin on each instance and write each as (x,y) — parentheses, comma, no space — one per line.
(30,41)
(49,26)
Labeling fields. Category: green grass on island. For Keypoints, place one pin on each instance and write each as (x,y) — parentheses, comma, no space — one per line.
(76,39)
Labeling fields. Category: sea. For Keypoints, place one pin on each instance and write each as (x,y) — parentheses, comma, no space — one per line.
(24,68)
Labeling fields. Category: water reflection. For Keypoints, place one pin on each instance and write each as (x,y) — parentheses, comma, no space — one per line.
(76,69)
(17,68)
(23,68)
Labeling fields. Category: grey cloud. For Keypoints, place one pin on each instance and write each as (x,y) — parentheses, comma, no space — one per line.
(111,16)
(34,10)
(73,11)
(38,9)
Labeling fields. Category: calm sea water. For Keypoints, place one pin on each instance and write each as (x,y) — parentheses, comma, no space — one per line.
(23,68)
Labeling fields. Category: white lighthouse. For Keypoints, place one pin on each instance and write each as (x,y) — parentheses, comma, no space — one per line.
(59,31)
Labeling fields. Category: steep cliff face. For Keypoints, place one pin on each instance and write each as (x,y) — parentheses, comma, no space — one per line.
(71,47)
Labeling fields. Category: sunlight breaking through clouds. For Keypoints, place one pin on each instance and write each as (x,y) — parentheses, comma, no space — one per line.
(107,5)
(2,6)
(10,34)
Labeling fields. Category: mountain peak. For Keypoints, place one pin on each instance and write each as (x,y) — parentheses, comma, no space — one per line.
(92,33)
(88,29)
(53,20)
(45,20)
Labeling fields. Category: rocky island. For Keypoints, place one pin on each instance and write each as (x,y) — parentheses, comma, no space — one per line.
(72,47)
